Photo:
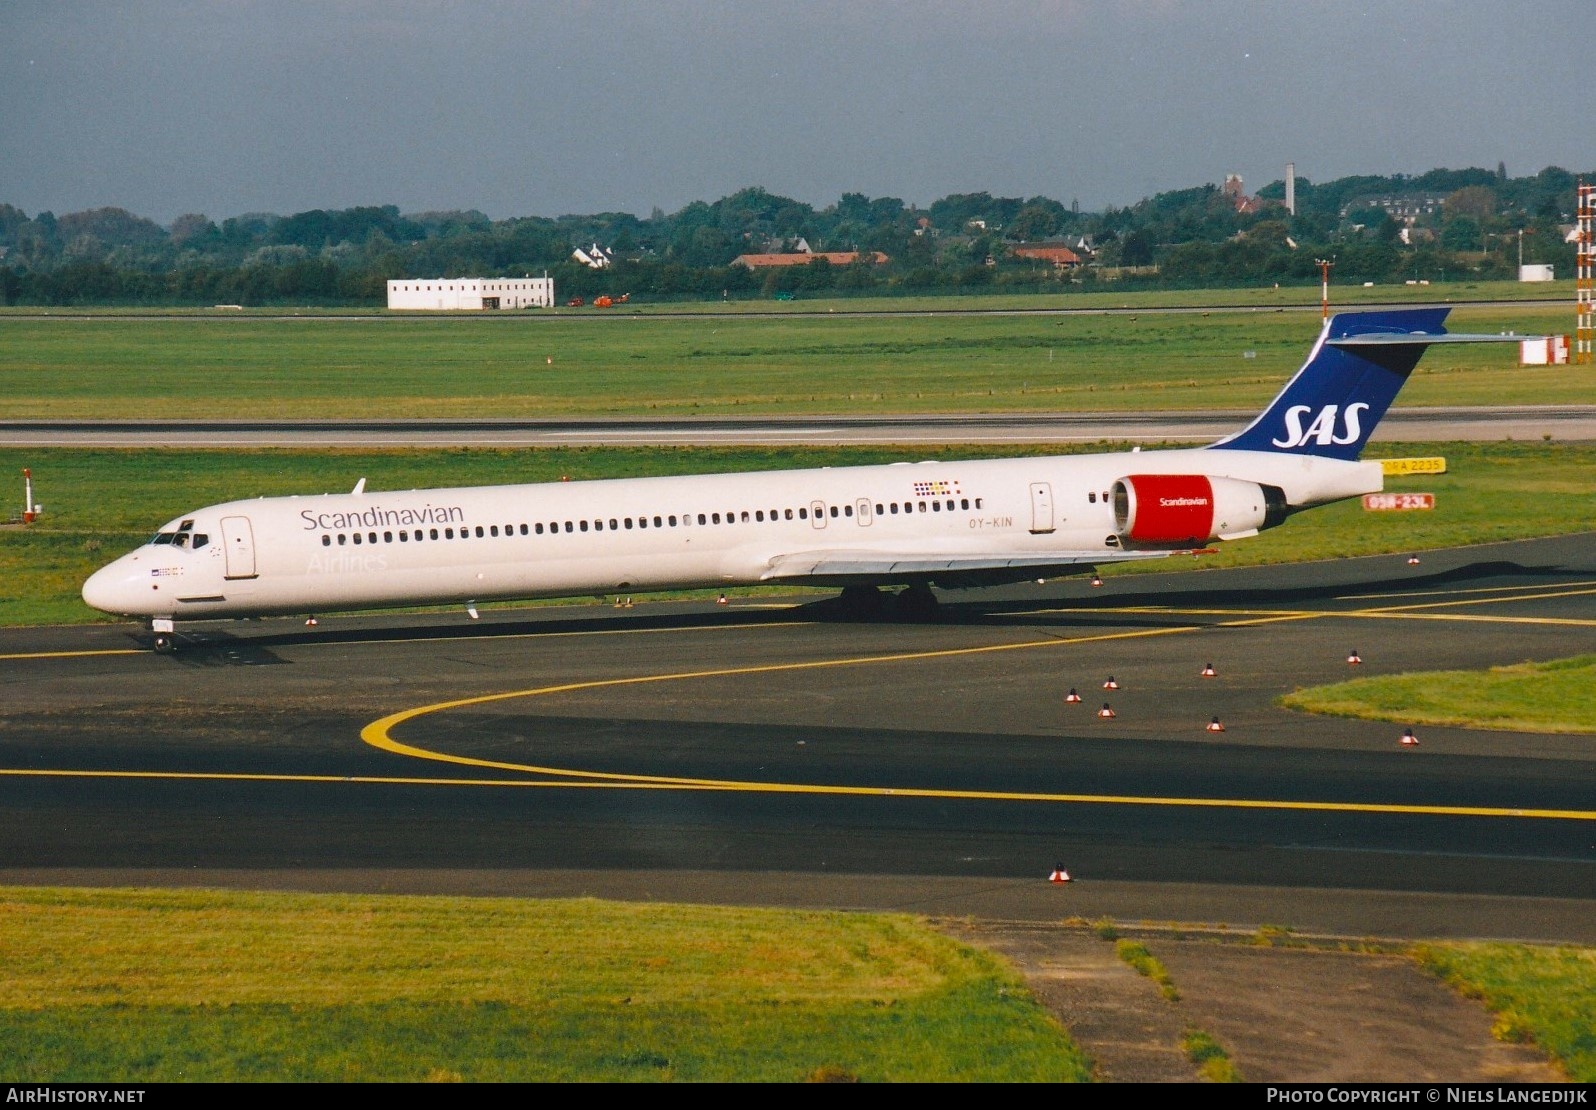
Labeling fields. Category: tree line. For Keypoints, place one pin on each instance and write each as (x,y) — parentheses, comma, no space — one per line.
(1441,225)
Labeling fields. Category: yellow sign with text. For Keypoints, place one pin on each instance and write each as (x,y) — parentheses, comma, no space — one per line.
(1397,467)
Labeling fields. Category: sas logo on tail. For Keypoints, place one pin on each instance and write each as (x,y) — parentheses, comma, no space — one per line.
(1323,429)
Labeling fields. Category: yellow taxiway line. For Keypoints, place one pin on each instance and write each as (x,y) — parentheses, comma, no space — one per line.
(649,782)
(379,734)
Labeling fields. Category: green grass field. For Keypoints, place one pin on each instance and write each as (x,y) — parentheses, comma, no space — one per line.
(1554,696)
(1542,994)
(159,986)
(109,366)
(213,986)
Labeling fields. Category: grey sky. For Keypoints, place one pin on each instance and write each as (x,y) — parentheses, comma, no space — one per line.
(532,108)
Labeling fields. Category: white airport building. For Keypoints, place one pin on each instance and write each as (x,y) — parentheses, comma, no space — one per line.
(476,294)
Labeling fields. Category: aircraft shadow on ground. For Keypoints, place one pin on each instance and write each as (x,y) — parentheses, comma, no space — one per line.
(1470,574)
(220,647)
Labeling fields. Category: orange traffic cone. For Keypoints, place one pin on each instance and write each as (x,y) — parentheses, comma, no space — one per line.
(1110,684)
(1096,581)
(1106,711)
(1215,726)
(1059,875)
(1072,698)
(1208,670)
(1354,657)
(1408,739)
(721,600)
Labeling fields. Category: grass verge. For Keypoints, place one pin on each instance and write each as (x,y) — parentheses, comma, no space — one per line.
(219,986)
(1557,696)
(104,366)
(1545,995)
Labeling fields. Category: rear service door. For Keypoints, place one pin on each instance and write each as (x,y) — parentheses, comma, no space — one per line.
(238,539)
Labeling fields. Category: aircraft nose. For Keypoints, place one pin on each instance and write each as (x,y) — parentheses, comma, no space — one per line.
(111,590)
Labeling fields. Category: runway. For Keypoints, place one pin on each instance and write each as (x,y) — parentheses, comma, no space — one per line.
(1524,423)
(765,752)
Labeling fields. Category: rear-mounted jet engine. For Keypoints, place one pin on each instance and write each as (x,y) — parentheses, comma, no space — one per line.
(1162,510)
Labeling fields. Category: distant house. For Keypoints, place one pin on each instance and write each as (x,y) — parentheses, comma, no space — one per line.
(836,258)
(1404,208)
(1057,253)
(594,258)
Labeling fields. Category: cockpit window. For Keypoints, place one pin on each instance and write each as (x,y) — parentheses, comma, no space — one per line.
(184,537)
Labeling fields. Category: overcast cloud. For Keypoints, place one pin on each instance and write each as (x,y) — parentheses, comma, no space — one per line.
(519,109)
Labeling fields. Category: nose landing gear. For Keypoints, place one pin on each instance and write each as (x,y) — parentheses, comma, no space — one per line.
(165,642)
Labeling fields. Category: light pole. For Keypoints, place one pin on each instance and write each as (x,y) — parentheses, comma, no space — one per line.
(1324,276)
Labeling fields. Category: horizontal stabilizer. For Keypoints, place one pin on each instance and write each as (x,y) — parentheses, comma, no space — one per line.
(1422,339)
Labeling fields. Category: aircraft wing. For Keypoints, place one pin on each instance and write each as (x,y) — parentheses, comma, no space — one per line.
(881,568)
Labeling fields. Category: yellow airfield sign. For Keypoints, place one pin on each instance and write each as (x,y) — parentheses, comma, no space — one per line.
(1397,467)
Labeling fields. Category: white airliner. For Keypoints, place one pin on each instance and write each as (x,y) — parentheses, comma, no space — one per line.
(947,524)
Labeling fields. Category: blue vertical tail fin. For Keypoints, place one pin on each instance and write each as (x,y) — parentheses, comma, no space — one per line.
(1355,370)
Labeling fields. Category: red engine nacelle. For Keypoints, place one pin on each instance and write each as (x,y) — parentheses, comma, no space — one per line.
(1175,509)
